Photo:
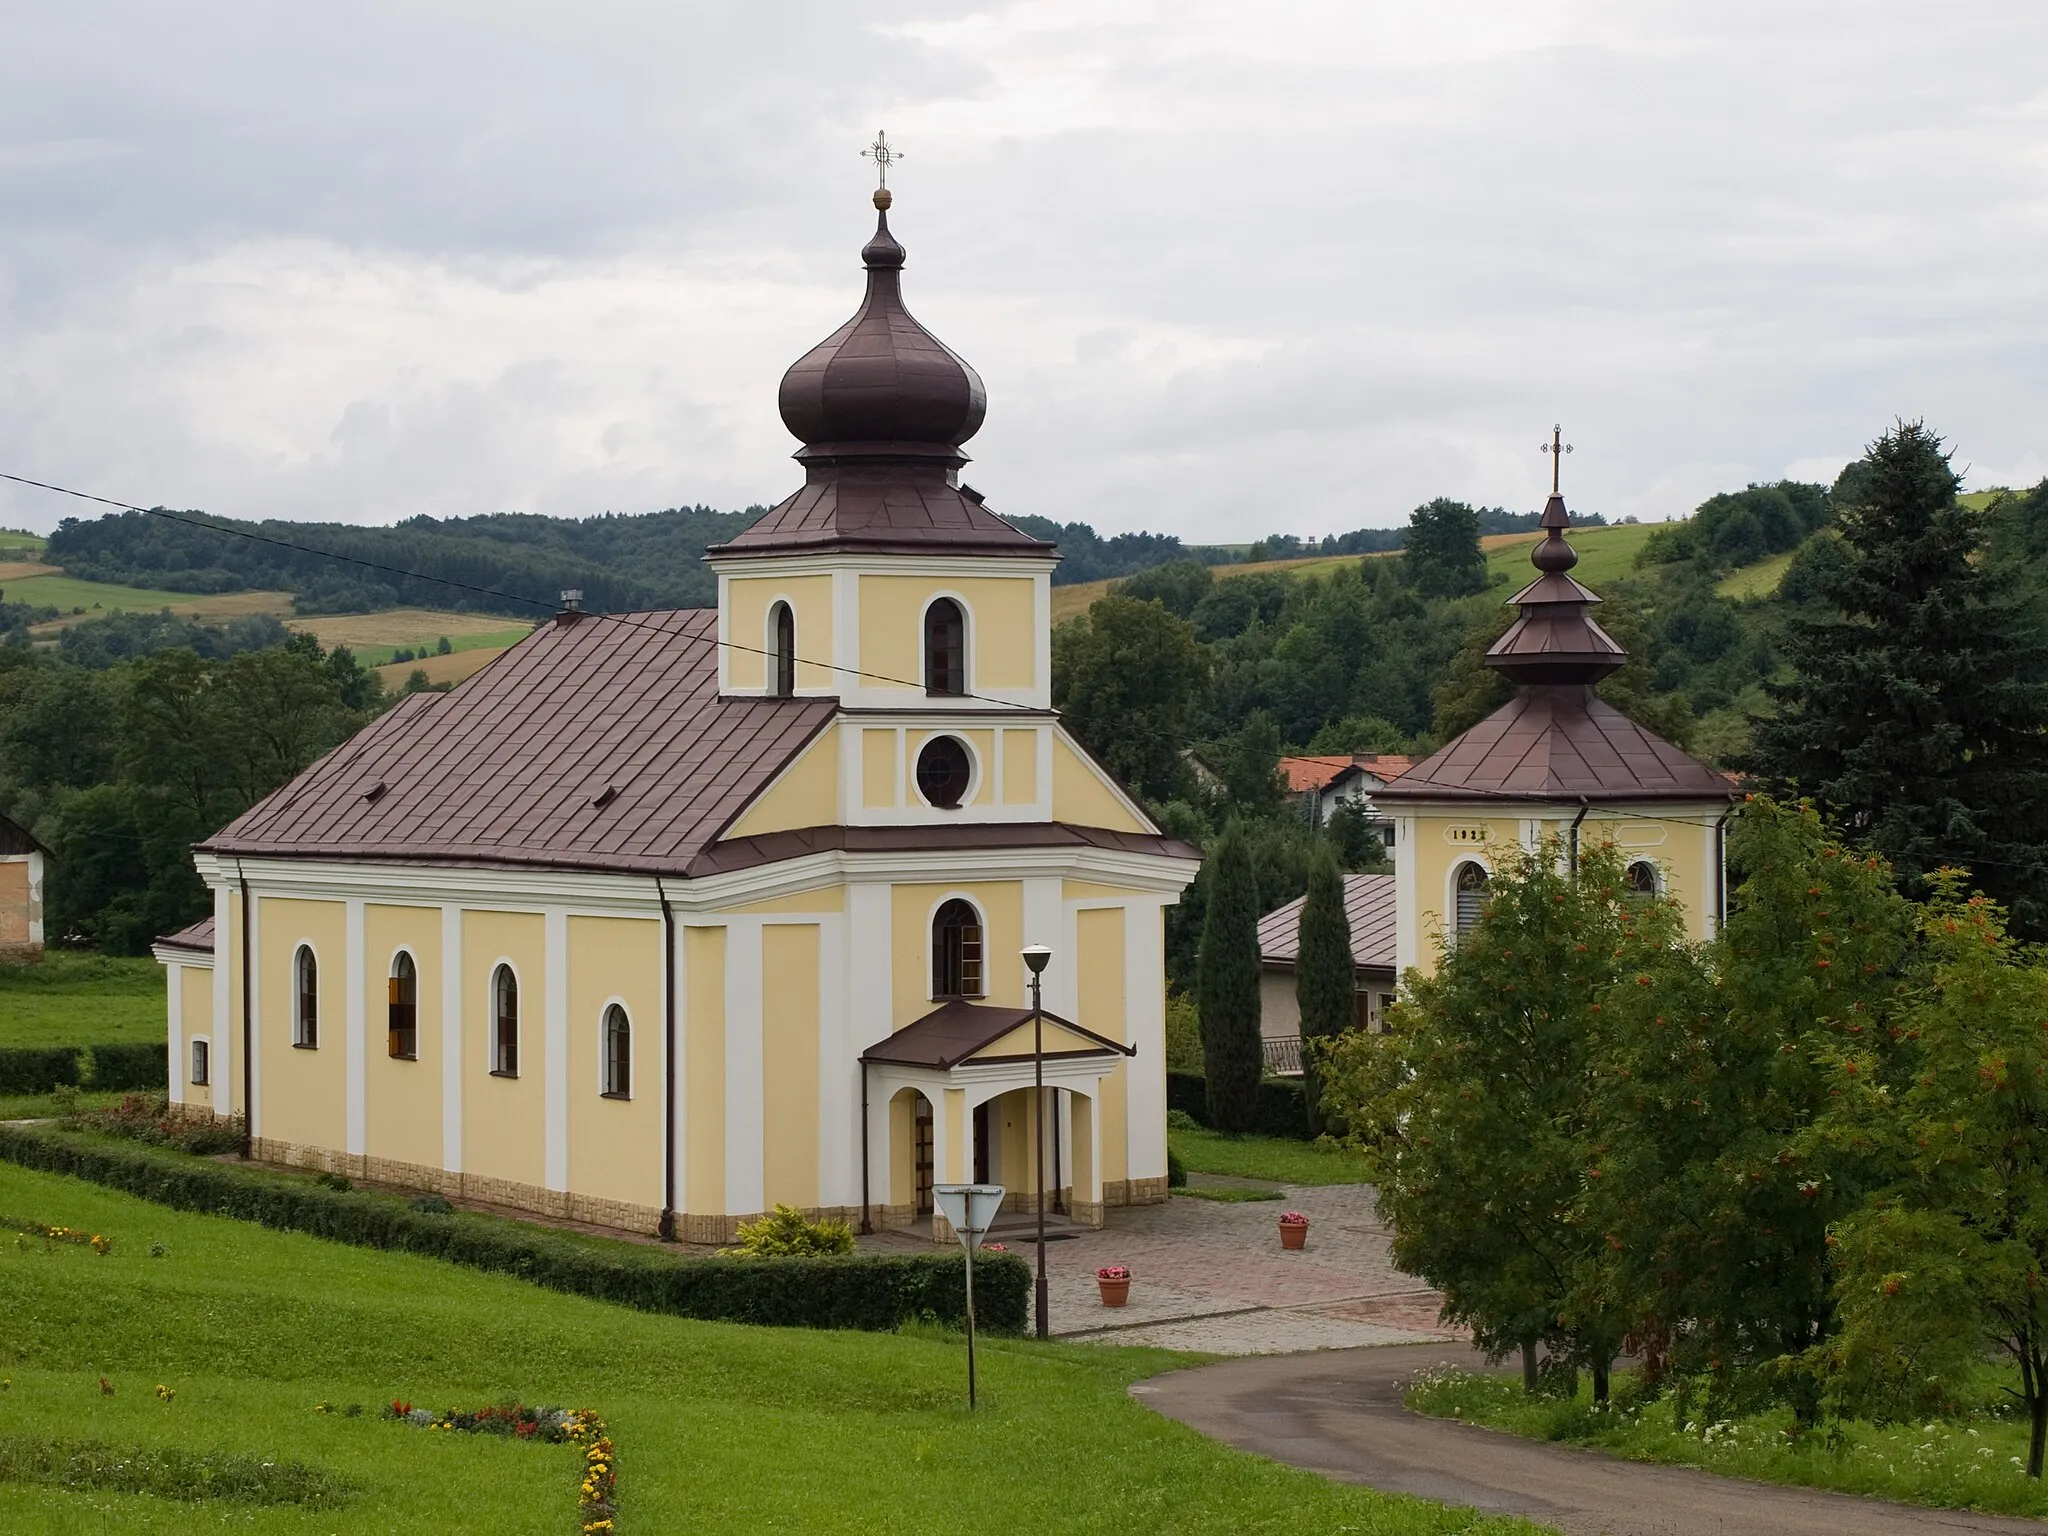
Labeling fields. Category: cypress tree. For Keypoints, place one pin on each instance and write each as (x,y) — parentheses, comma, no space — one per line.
(1227,987)
(1325,982)
(1916,712)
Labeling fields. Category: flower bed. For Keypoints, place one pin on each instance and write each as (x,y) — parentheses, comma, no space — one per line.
(49,1234)
(597,1495)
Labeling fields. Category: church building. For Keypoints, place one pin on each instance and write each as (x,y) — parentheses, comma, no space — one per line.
(665,918)
(1556,760)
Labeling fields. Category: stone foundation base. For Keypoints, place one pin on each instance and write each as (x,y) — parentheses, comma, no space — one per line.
(20,954)
(556,1204)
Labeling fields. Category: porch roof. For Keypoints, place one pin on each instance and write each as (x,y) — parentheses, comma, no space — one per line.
(959,1031)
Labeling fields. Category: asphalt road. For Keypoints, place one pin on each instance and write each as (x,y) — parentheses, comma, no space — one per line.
(1339,1412)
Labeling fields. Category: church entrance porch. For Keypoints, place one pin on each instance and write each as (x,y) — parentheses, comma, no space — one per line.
(953,1099)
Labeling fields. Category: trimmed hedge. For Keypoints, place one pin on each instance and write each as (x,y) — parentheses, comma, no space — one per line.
(874,1292)
(121,1068)
(132,1068)
(1282,1109)
(37,1069)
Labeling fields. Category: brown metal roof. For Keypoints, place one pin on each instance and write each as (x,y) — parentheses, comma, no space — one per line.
(1561,742)
(773,847)
(899,508)
(197,936)
(1368,908)
(16,839)
(955,1031)
(513,766)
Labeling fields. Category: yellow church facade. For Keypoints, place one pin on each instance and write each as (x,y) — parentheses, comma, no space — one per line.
(664,919)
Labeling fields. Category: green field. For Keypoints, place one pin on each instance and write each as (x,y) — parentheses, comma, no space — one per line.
(1272,1158)
(66,593)
(492,640)
(1606,555)
(76,998)
(717,1427)
(1759,580)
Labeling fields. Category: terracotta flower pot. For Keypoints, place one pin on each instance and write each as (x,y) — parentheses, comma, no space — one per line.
(1293,1234)
(1114,1292)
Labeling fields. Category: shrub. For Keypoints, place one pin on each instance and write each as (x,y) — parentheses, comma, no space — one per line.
(46,1068)
(138,1066)
(148,1118)
(1281,1109)
(426,1205)
(1176,1170)
(785,1233)
(876,1292)
(1181,1120)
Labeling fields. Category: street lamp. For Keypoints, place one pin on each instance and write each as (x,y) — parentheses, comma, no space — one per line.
(1035,957)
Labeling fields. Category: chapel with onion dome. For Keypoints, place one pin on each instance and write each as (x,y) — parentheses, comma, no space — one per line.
(1555,760)
(664,919)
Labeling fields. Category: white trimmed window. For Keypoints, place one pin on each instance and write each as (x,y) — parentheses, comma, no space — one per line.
(402,1021)
(202,1063)
(616,1032)
(305,999)
(504,1022)
(1469,891)
(957,951)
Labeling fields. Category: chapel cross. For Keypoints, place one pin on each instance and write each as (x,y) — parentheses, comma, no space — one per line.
(1557,448)
(883,154)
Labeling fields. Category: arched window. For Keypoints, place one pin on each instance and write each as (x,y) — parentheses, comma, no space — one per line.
(945,649)
(783,683)
(617,1031)
(504,1022)
(1639,883)
(202,1053)
(956,951)
(305,999)
(402,1037)
(1471,891)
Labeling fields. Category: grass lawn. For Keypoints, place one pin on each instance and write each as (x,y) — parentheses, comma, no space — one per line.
(75,998)
(1271,1158)
(1605,554)
(489,640)
(716,1426)
(1976,1463)
(44,1106)
(1229,1194)
(68,592)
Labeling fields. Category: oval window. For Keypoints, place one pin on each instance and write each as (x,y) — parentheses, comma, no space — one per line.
(943,772)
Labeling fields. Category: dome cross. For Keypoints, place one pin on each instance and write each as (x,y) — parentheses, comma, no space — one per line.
(1557,448)
(884,154)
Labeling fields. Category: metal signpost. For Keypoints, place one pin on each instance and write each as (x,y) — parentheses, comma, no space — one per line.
(971,1209)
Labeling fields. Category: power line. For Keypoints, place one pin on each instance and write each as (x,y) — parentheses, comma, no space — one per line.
(511,597)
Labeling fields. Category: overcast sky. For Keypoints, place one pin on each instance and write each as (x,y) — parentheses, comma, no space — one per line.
(1227,269)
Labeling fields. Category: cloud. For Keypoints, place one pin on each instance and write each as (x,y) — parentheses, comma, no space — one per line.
(1222,267)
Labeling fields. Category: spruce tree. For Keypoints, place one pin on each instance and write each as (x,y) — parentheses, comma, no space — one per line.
(1227,987)
(1325,982)
(1916,712)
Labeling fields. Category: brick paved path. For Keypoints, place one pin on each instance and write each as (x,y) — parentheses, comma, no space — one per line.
(1211,1275)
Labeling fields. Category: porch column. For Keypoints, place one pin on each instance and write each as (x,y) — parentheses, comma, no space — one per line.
(1085,1147)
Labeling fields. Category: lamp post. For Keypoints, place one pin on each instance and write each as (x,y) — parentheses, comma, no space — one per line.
(1035,957)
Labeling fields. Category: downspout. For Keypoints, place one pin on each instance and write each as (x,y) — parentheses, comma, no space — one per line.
(866,1226)
(1583,808)
(248,1029)
(667,1227)
(1721,871)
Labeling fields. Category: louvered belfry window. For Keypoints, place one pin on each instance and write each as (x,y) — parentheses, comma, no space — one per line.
(945,649)
(785,652)
(956,951)
(1472,883)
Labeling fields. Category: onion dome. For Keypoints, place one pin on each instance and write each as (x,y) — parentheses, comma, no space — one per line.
(1554,639)
(882,407)
(882,383)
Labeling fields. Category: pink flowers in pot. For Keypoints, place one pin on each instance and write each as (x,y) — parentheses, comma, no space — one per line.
(1293,1229)
(1114,1281)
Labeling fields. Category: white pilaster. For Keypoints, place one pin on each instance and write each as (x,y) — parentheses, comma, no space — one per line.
(1407,895)
(845,630)
(745,1173)
(180,1068)
(451,1037)
(355,1025)
(555,1047)
(254,960)
(227,954)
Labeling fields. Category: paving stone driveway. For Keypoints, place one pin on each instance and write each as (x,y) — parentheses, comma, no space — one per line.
(1212,1275)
